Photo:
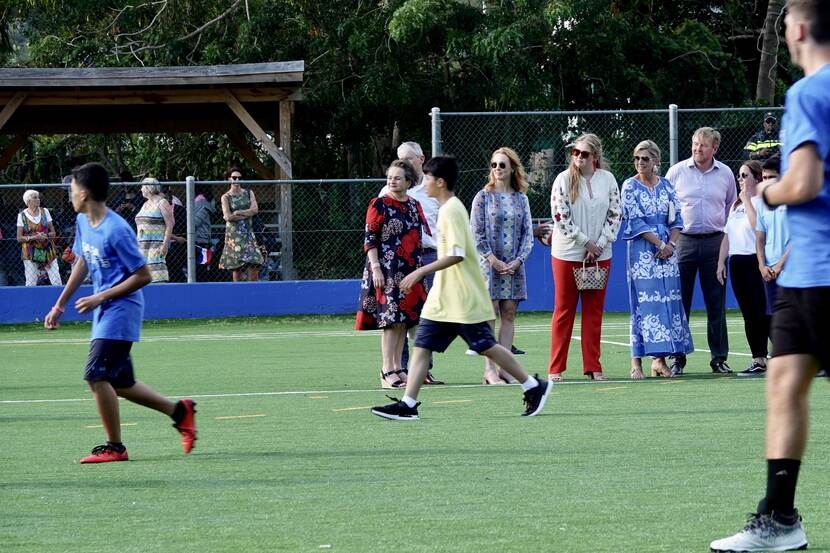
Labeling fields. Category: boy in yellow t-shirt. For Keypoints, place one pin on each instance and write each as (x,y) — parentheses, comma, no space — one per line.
(458,304)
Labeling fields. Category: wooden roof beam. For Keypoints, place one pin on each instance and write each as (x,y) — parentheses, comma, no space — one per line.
(251,124)
(12,149)
(11,107)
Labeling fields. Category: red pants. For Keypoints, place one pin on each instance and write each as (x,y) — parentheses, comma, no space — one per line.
(564,310)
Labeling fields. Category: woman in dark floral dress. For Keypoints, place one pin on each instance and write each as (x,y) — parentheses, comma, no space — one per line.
(394,224)
(238,208)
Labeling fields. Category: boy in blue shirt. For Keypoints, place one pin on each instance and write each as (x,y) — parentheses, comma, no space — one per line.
(800,312)
(107,250)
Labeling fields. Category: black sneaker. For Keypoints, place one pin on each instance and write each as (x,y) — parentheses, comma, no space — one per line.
(535,398)
(516,351)
(754,369)
(720,367)
(398,411)
(822,372)
(676,366)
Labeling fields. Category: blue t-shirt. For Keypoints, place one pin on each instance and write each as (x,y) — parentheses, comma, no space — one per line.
(807,120)
(111,254)
(772,222)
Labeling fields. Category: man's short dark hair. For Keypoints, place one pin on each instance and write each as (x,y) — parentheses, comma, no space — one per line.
(773,163)
(817,15)
(443,167)
(94,178)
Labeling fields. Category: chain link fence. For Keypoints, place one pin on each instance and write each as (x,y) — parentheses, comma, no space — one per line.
(305,230)
(543,140)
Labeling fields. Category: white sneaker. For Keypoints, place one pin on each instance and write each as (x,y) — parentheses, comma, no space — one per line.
(471,352)
(764,533)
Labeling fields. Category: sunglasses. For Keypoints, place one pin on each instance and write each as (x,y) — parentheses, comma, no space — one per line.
(576,152)
(500,165)
(235,177)
(644,159)
(743,175)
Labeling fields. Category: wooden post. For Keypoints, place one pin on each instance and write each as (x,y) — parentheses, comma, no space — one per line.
(11,107)
(286,222)
(12,149)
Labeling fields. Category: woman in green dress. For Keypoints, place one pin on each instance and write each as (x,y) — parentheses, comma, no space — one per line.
(238,208)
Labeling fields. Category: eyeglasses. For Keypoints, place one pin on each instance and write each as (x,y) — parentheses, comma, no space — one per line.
(500,165)
(236,177)
(576,152)
(644,159)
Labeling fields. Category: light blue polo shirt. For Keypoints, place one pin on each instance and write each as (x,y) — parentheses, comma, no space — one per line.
(772,222)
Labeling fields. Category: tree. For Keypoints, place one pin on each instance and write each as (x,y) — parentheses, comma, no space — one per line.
(765,88)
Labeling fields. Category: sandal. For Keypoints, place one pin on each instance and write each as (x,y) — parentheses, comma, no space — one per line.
(596,376)
(658,369)
(387,384)
(556,377)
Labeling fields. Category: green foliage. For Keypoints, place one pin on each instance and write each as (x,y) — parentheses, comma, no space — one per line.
(374,69)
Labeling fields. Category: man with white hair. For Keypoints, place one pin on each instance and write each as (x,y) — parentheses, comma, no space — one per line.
(412,153)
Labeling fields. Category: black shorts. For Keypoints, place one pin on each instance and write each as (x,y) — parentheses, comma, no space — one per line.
(437,335)
(798,318)
(109,360)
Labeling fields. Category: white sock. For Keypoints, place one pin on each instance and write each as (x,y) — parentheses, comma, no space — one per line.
(409,401)
(529,384)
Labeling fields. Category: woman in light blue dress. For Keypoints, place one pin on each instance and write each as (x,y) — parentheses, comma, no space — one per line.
(651,224)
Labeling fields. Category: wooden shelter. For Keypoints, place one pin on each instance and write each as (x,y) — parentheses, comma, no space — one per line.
(231,99)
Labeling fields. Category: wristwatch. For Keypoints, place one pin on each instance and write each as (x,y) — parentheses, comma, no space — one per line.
(673,243)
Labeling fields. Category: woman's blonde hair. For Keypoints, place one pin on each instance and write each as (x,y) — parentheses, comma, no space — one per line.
(518,181)
(595,144)
(152,185)
(652,148)
(408,170)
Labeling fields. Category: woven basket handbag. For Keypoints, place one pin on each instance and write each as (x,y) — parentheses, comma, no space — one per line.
(590,278)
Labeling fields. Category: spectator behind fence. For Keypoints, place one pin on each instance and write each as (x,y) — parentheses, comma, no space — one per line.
(772,237)
(394,224)
(154,226)
(203,211)
(36,233)
(501,224)
(177,253)
(238,208)
(765,143)
(706,190)
(739,244)
(651,225)
(585,206)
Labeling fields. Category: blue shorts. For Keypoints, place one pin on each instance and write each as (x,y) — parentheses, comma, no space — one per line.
(109,360)
(437,335)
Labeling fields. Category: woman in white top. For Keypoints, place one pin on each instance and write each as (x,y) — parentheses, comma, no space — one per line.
(747,283)
(585,206)
(35,233)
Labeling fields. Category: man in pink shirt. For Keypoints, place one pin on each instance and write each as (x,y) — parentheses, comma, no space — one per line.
(706,190)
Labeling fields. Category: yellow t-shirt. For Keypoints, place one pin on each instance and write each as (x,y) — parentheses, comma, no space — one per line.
(459,293)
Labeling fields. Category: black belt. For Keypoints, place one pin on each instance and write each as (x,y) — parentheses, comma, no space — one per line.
(703,234)
(429,249)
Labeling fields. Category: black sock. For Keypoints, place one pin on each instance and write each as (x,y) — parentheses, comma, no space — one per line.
(782,477)
(117,446)
(178,412)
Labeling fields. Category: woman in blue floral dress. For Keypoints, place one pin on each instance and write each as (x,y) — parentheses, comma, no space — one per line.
(394,224)
(501,225)
(651,224)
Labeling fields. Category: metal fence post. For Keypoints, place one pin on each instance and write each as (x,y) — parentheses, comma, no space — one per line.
(189,187)
(435,114)
(672,134)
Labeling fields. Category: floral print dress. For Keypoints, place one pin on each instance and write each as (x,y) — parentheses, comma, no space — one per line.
(394,228)
(658,322)
(240,243)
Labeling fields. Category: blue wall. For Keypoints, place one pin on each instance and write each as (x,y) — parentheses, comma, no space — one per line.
(227,299)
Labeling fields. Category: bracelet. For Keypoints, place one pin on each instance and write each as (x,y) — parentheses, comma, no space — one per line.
(59,309)
(673,243)
(662,245)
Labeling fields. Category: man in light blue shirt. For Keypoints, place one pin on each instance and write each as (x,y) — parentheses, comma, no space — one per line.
(706,190)
(772,236)
(799,319)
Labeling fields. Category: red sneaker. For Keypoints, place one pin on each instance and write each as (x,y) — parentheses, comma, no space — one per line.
(187,428)
(105,454)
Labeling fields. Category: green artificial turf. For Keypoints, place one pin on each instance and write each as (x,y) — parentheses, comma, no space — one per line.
(290,459)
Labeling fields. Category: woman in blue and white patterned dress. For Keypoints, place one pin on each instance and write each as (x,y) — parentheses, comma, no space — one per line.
(651,224)
(501,225)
